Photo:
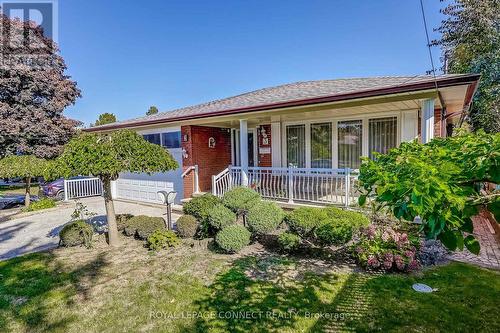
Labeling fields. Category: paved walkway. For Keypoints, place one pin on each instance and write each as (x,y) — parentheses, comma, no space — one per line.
(490,245)
(41,231)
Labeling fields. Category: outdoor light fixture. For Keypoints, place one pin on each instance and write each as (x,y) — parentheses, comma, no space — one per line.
(168,198)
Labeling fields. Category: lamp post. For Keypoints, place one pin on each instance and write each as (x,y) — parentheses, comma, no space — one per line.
(168,198)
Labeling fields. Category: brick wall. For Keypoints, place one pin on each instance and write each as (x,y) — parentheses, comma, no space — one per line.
(439,131)
(264,146)
(210,161)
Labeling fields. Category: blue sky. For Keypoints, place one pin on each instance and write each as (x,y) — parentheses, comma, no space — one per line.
(128,55)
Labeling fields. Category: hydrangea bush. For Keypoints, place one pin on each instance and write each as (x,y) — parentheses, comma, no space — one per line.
(385,248)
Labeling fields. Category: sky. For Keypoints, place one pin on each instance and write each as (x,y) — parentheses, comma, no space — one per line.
(129,55)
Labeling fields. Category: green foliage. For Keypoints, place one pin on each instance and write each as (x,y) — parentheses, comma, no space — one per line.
(43,203)
(240,199)
(384,248)
(106,155)
(200,206)
(264,217)
(162,239)
(233,238)
(436,181)
(24,166)
(325,226)
(220,217)
(82,212)
(122,221)
(289,242)
(152,110)
(76,233)
(470,42)
(143,226)
(186,226)
(105,118)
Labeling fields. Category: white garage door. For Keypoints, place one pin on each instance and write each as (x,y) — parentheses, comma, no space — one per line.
(144,187)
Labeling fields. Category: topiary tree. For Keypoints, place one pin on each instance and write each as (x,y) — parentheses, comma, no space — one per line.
(187,225)
(264,217)
(438,181)
(240,199)
(220,216)
(25,167)
(233,238)
(105,156)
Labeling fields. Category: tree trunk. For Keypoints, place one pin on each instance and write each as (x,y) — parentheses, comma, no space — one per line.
(27,182)
(110,213)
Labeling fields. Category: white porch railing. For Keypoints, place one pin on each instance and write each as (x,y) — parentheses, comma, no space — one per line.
(81,188)
(196,183)
(324,186)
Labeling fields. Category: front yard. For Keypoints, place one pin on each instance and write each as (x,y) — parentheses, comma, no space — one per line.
(188,289)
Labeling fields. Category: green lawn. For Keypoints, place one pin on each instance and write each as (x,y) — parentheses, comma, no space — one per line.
(18,190)
(194,290)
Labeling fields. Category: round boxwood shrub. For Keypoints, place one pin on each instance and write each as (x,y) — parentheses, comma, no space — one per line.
(304,220)
(289,242)
(220,217)
(199,206)
(162,239)
(143,226)
(264,217)
(233,238)
(186,226)
(76,233)
(122,220)
(240,199)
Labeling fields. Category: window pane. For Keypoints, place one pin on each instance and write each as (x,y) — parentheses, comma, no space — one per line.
(153,138)
(383,135)
(321,145)
(171,139)
(350,143)
(296,145)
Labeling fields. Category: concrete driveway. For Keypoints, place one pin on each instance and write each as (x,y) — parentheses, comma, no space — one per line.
(41,231)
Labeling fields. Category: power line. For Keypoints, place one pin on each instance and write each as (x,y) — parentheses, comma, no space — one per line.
(428,42)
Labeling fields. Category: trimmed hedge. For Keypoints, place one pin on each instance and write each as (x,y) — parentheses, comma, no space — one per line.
(187,225)
(199,206)
(240,199)
(122,220)
(233,238)
(162,239)
(326,226)
(264,217)
(289,242)
(220,217)
(143,226)
(76,233)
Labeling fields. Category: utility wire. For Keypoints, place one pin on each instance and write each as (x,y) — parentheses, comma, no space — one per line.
(428,43)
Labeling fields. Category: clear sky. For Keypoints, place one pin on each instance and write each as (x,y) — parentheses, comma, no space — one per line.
(128,55)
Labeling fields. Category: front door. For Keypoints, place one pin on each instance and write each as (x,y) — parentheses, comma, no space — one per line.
(252,147)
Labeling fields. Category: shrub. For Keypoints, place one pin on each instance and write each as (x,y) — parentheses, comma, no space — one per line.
(43,203)
(199,206)
(384,248)
(162,239)
(76,233)
(240,199)
(233,238)
(289,242)
(264,217)
(143,226)
(304,220)
(122,220)
(220,217)
(186,226)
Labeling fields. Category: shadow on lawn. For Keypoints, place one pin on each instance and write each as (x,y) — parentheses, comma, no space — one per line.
(35,286)
(238,301)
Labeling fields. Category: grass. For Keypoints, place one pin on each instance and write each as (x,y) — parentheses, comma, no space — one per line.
(193,290)
(8,189)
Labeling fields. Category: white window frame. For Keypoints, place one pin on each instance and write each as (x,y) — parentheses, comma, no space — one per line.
(160,131)
(334,121)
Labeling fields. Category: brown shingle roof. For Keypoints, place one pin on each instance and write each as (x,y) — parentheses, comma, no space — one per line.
(311,91)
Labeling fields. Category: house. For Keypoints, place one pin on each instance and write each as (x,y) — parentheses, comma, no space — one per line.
(298,142)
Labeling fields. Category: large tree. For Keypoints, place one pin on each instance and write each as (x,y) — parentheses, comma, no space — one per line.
(105,156)
(34,91)
(470,42)
(105,118)
(152,110)
(25,167)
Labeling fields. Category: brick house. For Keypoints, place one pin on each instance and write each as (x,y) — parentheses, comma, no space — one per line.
(298,142)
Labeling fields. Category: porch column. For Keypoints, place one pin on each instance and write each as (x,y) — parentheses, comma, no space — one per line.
(244,151)
(276,142)
(427,120)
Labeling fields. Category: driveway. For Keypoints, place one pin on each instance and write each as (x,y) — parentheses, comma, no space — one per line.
(41,231)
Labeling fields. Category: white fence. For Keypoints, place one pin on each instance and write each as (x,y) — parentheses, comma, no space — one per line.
(325,186)
(81,188)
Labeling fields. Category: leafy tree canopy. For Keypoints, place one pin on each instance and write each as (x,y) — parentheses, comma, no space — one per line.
(105,118)
(437,181)
(34,91)
(152,110)
(470,43)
